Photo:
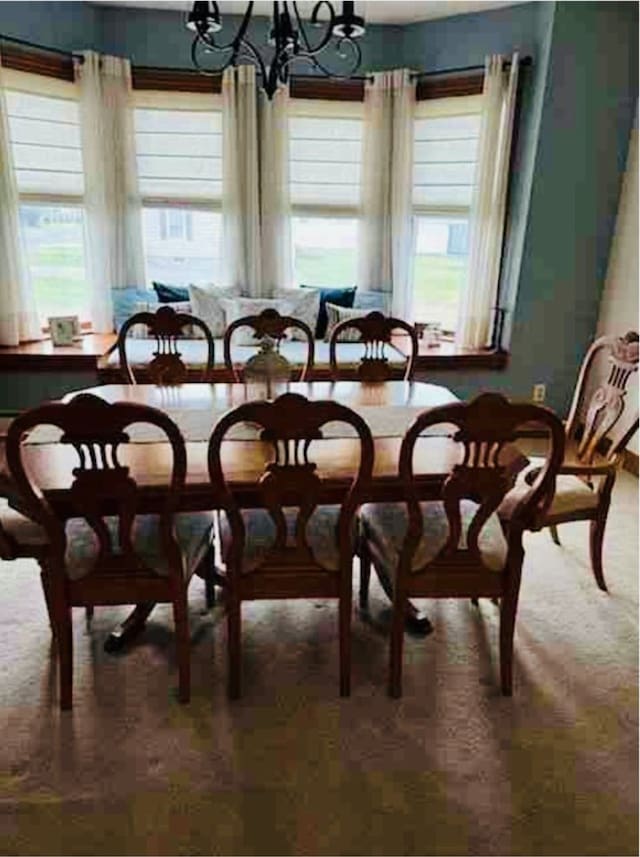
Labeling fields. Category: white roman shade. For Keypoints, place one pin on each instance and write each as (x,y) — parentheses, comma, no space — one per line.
(179,147)
(445,147)
(325,156)
(44,130)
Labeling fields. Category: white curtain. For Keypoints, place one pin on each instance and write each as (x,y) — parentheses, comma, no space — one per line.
(488,204)
(240,183)
(19,320)
(387,160)
(275,224)
(115,256)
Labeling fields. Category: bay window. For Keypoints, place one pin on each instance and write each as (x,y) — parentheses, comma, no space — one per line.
(446,134)
(44,131)
(179,161)
(325,153)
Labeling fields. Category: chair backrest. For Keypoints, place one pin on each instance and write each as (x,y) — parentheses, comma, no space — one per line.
(375,331)
(290,424)
(269,323)
(601,415)
(101,487)
(485,425)
(166,326)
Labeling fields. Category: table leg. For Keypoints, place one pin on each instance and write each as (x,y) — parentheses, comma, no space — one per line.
(130,628)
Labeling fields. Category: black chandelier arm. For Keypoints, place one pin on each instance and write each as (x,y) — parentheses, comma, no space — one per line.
(310,49)
(208,40)
(313,59)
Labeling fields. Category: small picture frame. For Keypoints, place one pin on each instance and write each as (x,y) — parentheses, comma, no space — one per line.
(65,329)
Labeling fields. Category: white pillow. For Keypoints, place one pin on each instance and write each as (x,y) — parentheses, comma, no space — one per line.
(336,314)
(207,305)
(241,307)
(305,305)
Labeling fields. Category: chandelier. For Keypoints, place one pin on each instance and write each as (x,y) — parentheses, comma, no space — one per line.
(288,42)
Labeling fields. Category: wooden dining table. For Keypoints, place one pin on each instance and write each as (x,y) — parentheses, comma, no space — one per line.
(388,407)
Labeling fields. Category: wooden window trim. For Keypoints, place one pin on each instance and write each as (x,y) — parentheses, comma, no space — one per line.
(450,86)
(174,79)
(35,62)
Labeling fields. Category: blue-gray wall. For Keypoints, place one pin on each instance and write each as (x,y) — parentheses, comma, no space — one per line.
(577,110)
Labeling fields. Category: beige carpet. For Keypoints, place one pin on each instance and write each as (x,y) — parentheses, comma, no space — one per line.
(452,768)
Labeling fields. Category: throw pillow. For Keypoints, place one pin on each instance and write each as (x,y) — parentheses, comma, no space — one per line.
(170,294)
(338,297)
(336,314)
(241,307)
(125,300)
(207,305)
(305,306)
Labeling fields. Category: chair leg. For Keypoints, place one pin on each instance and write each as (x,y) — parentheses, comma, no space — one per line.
(508,610)
(183,652)
(344,611)
(396,646)
(234,650)
(596,538)
(365,577)
(47,600)
(553,530)
(64,639)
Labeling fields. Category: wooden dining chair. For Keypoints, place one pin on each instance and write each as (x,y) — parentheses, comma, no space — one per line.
(166,326)
(269,323)
(294,546)
(455,547)
(600,424)
(106,553)
(375,331)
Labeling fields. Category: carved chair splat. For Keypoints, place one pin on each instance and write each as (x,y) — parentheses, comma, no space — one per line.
(166,326)
(269,323)
(375,331)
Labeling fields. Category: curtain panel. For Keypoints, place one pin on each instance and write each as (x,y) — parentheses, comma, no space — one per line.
(488,204)
(115,256)
(240,181)
(275,209)
(385,232)
(19,320)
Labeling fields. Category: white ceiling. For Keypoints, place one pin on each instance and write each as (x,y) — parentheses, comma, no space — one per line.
(374,11)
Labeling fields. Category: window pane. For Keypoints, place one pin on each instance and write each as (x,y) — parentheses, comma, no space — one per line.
(325,250)
(54,241)
(182,245)
(440,264)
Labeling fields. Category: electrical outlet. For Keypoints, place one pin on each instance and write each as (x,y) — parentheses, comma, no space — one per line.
(539,392)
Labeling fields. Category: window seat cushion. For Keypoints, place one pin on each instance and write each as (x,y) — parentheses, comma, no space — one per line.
(194,353)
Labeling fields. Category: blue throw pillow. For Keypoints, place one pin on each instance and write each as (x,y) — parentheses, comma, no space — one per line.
(170,294)
(125,301)
(339,297)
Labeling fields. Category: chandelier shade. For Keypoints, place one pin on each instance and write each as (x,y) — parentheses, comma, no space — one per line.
(336,53)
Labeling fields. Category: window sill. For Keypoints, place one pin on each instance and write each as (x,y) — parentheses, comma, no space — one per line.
(446,355)
(44,356)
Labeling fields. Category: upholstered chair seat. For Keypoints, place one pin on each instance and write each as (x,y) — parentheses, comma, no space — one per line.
(572,493)
(260,534)
(194,533)
(384,526)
